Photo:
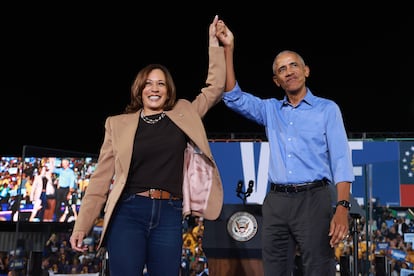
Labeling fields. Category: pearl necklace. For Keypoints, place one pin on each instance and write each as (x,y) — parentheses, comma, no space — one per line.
(152,121)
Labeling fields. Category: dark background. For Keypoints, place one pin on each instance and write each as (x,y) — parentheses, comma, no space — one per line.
(66,68)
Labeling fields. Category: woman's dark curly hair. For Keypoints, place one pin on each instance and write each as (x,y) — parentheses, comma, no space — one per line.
(139,84)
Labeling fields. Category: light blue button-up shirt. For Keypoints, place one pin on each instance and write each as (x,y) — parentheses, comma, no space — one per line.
(67,178)
(307,142)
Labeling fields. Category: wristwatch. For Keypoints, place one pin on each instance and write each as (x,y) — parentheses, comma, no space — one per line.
(344,203)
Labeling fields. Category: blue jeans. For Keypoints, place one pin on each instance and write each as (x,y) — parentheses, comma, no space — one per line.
(145,231)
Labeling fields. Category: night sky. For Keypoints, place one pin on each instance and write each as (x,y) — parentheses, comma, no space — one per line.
(66,68)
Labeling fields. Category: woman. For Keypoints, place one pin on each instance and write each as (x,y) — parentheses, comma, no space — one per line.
(139,177)
(42,196)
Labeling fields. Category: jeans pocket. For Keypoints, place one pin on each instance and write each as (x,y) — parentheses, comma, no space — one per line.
(127,197)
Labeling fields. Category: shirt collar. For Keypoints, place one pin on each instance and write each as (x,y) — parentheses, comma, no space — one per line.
(308,99)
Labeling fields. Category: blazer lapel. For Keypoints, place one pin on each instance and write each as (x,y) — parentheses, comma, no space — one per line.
(125,138)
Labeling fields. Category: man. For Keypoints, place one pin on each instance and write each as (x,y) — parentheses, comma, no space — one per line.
(66,186)
(308,152)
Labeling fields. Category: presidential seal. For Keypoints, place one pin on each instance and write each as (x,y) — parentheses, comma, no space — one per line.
(242,226)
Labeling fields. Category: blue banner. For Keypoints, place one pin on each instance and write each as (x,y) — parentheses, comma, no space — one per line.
(376,169)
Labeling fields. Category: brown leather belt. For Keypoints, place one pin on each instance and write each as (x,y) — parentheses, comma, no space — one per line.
(158,194)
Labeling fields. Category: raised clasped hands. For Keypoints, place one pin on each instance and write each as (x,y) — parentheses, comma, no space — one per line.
(224,34)
(219,33)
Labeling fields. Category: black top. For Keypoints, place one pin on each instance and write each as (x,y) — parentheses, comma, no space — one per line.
(157,158)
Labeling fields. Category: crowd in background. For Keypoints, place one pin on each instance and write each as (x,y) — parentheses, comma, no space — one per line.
(389,243)
(20,183)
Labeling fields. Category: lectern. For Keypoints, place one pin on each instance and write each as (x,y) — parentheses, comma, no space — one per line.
(232,243)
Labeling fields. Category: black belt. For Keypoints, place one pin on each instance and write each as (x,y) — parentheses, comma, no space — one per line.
(300,187)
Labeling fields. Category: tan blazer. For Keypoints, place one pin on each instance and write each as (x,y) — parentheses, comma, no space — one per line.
(108,180)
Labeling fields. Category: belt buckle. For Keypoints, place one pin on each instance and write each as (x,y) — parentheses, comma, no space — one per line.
(150,193)
(289,188)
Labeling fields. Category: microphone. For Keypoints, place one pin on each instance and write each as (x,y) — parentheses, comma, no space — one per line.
(239,188)
(247,193)
(250,188)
